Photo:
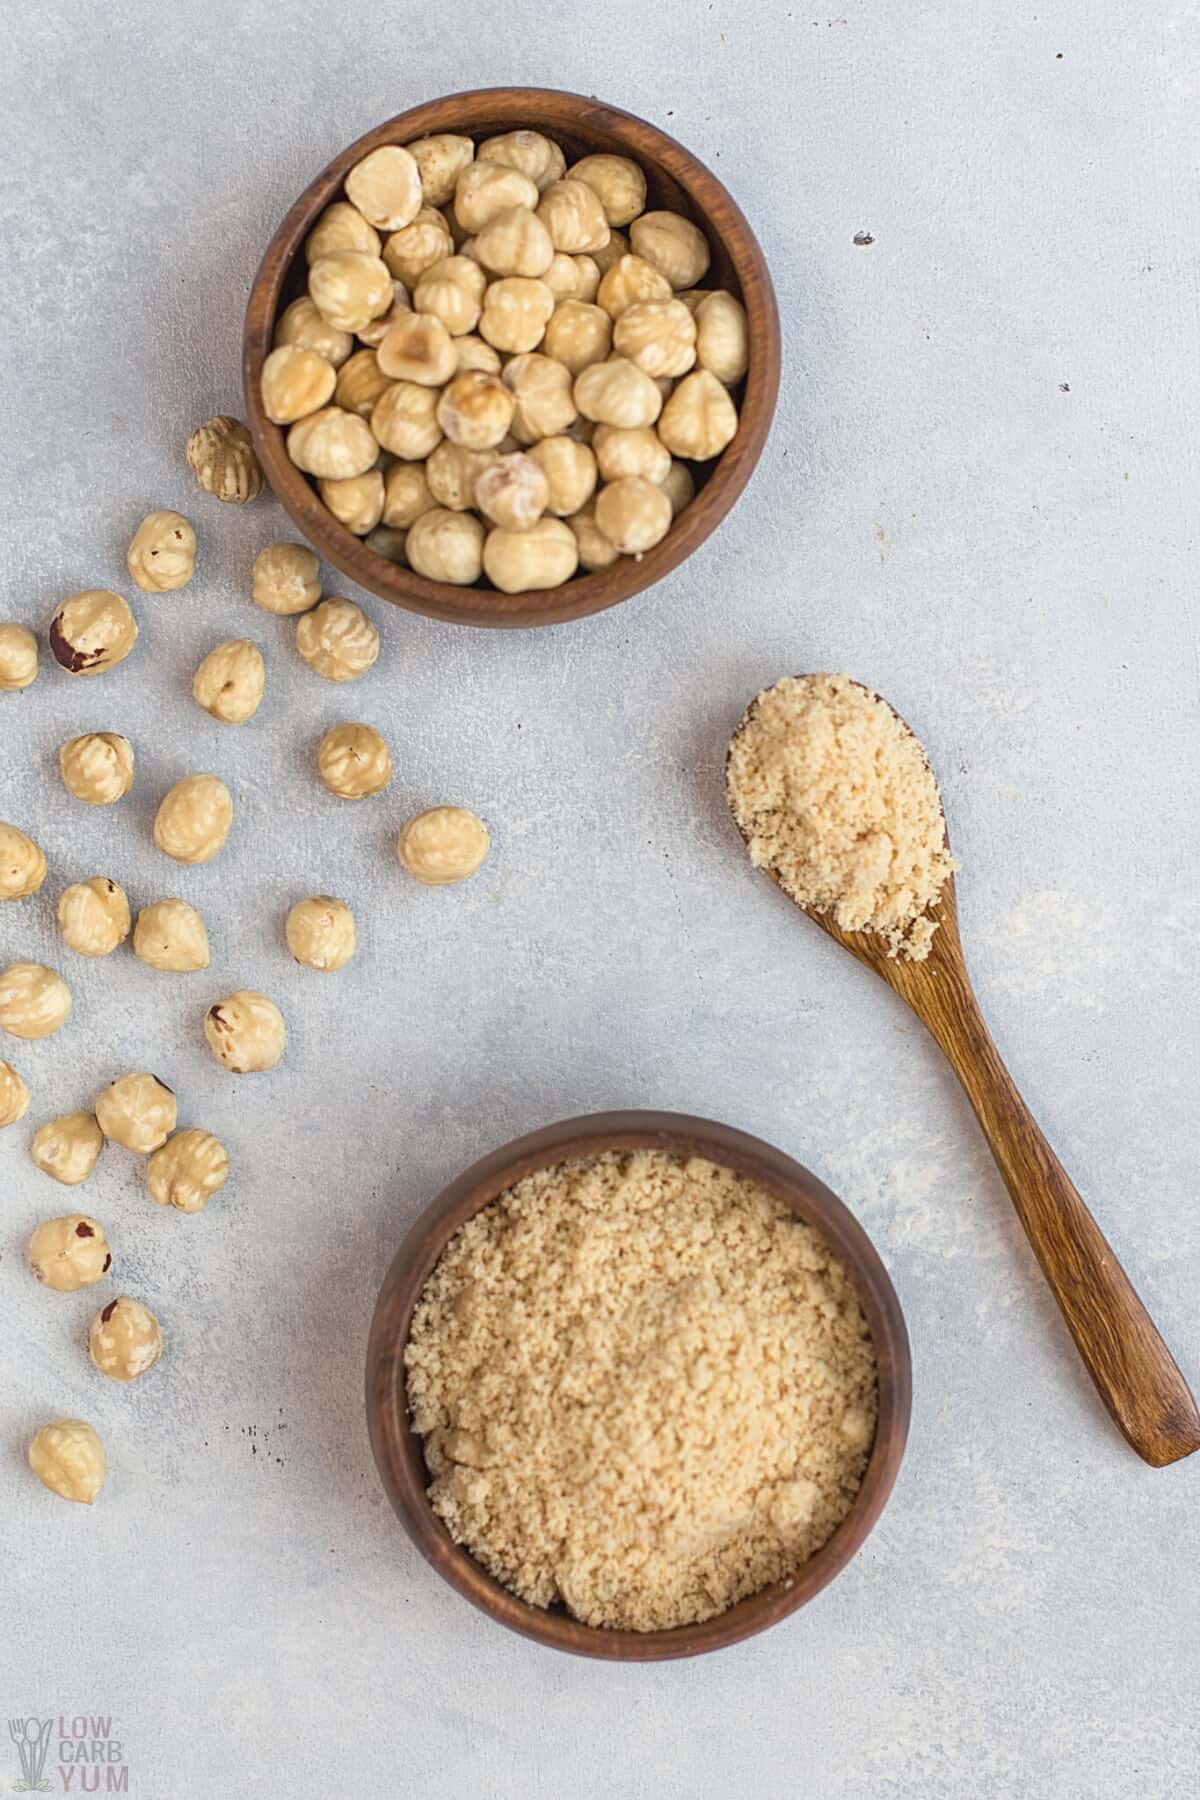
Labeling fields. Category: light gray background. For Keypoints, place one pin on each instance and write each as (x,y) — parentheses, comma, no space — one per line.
(979,496)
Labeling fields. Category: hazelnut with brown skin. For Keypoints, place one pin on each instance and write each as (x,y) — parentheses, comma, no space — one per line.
(223,459)
(92,631)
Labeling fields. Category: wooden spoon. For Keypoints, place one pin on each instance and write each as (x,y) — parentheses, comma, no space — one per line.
(1135,1374)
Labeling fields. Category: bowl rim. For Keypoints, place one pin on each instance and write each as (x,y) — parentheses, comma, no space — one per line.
(476,111)
(397,1448)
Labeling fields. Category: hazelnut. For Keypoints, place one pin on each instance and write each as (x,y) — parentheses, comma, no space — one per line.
(125,1339)
(658,335)
(340,227)
(408,253)
(97,767)
(18,658)
(405,420)
(535,156)
(68,1148)
(360,382)
(722,337)
(222,457)
(286,579)
(70,1252)
(612,252)
(387,541)
(570,471)
(595,550)
(332,444)
(542,556)
(245,1032)
(617,393)
(337,640)
(34,1000)
(452,291)
(440,161)
(137,1111)
(170,935)
(446,546)
(320,933)
(514,242)
(573,216)
(672,245)
(93,916)
(633,514)
(406,495)
(354,761)
(189,1169)
(418,348)
(452,472)
(515,313)
(472,353)
(193,819)
(699,419)
(301,323)
(22,865)
(14,1095)
(617,183)
(92,631)
(636,451)
(386,187)
(295,382)
(443,845)
(486,188)
(162,553)
(678,486)
(350,288)
(513,492)
(541,388)
(357,503)
(229,682)
(373,333)
(588,272)
(578,335)
(68,1458)
(628,280)
(563,277)
(476,409)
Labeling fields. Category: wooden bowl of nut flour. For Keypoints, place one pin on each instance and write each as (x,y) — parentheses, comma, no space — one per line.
(498,560)
(638,1385)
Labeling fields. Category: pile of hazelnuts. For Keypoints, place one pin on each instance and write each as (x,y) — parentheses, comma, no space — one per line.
(503,366)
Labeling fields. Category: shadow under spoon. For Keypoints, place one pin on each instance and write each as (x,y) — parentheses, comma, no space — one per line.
(1135,1374)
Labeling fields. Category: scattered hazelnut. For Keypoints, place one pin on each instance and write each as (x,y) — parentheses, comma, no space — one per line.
(636,451)
(443,845)
(350,288)
(722,337)
(97,767)
(487,187)
(617,393)
(170,935)
(245,1032)
(578,335)
(193,819)
(536,156)
(628,280)
(92,631)
(162,553)
(595,550)
(542,556)
(672,245)
(617,182)
(189,1169)
(93,916)
(354,761)
(14,1095)
(476,409)
(570,471)
(68,1148)
(340,227)
(137,1111)
(452,472)
(633,514)
(440,161)
(658,335)
(125,1339)
(699,419)
(386,187)
(34,1000)
(301,323)
(356,503)
(541,388)
(406,495)
(68,1458)
(295,382)
(337,640)
(515,313)
(452,291)
(415,248)
(286,579)
(446,546)
(513,492)
(320,932)
(221,453)
(229,681)
(22,865)
(70,1252)
(418,348)
(18,657)
(333,444)
(405,420)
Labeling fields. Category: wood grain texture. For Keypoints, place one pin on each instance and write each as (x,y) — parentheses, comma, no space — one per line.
(676,180)
(398,1451)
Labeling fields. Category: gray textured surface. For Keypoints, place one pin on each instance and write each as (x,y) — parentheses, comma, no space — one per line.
(979,496)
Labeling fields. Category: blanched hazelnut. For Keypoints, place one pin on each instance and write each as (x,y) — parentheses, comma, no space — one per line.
(515,313)
(722,337)
(358,503)
(246,1032)
(92,631)
(618,184)
(472,353)
(18,658)
(354,761)
(162,553)
(68,1148)
(229,682)
(97,767)
(543,556)
(678,486)
(514,242)
(340,227)
(375,330)
(405,420)
(595,550)
(617,393)
(295,382)
(350,288)
(443,845)
(452,291)
(287,580)
(22,865)
(34,1000)
(534,155)
(635,452)
(658,335)
(189,1169)
(570,471)
(387,541)
(440,161)
(320,933)
(699,419)
(223,459)
(541,387)
(562,276)
(446,546)
(333,444)
(408,253)
(93,916)
(612,252)
(588,276)
(193,818)
(125,1339)
(573,216)
(70,1252)
(137,1111)
(578,335)
(170,935)
(337,640)
(672,245)
(68,1458)
(628,280)
(386,187)
(633,514)
(486,188)
(452,472)
(475,410)
(513,492)
(14,1095)
(418,348)
(301,323)
(406,495)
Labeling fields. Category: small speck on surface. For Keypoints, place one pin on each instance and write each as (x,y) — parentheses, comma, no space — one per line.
(863,238)
(1064,387)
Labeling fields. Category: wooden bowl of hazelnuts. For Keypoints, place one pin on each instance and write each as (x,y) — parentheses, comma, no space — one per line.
(511,357)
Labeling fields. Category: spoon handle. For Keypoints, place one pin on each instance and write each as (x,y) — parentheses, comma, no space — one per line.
(1134,1372)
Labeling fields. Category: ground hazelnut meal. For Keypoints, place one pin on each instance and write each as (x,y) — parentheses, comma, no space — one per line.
(835,797)
(646,1389)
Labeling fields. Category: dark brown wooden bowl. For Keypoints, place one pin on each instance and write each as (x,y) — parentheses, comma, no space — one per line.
(398,1449)
(676,180)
